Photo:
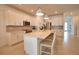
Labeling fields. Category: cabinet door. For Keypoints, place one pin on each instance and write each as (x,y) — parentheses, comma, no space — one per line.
(20,36)
(31,45)
(13,38)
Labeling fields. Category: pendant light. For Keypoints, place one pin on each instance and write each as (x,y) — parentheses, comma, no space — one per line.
(39,12)
(46,17)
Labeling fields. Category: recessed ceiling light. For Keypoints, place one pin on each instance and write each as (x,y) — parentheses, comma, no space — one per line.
(32,10)
(19,4)
(71,13)
(56,12)
(8,10)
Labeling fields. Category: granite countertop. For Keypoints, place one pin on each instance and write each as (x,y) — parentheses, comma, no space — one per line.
(17,28)
(42,34)
(57,27)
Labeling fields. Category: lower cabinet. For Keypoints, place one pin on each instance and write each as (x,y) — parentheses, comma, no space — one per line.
(15,37)
(59,32)
(31,45)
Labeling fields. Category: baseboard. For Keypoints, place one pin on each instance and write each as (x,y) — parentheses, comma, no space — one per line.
(4,45)
(16,43)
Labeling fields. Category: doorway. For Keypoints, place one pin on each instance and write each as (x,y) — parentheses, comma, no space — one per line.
(68,28)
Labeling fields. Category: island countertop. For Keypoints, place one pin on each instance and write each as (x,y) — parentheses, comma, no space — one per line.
(42,34)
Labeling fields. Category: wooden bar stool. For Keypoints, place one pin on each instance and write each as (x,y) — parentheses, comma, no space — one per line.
(46,45)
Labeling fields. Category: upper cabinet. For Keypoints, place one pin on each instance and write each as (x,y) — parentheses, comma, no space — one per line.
(3,21)
(57,20)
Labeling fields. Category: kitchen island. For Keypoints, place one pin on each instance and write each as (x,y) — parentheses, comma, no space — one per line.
(32,41)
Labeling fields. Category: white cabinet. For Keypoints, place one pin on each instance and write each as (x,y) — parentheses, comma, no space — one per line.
(59,32)
(3,35)
(31,45)
(15,37)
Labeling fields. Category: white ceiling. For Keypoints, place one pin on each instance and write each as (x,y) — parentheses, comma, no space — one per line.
(49,9)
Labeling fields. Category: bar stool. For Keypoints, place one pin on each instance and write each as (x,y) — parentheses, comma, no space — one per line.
(46,45)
